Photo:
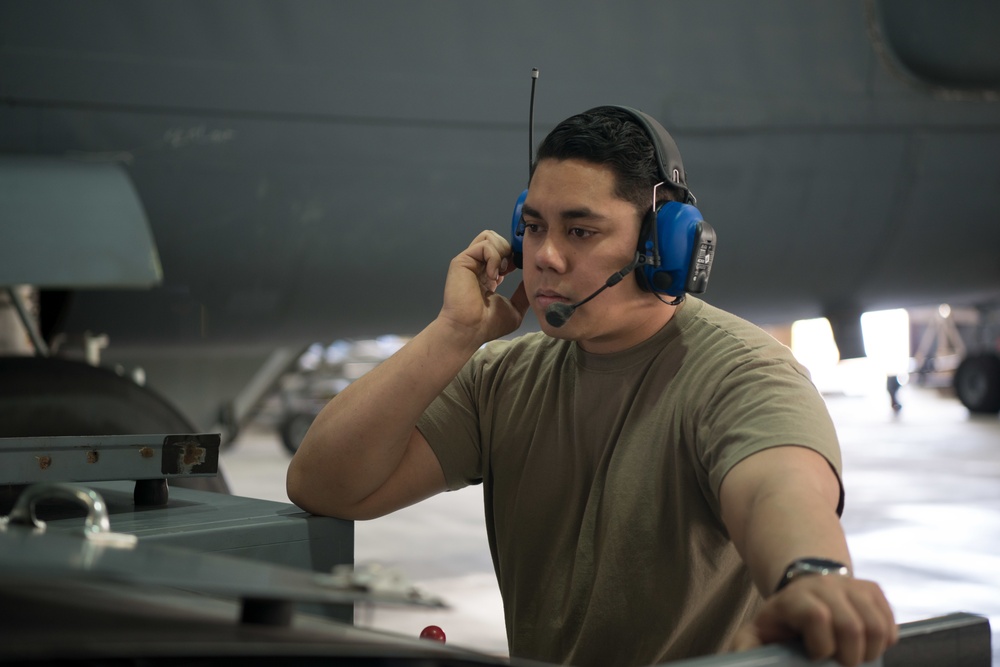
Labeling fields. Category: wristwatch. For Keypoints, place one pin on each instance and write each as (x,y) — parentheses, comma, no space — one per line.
(808,566)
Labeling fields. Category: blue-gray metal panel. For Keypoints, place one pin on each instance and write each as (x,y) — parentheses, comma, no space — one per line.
(107,457)
(212,522)
(78,224)
(27,553)
(249,528)
(74,622)
(956,640)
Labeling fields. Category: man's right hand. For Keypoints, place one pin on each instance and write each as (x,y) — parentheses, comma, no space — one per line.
(360,460)
(471,303)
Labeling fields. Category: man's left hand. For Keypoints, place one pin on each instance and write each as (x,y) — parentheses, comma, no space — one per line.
(837,617)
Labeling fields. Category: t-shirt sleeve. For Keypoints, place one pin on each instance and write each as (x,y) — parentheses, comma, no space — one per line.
(451,427)
(764,402)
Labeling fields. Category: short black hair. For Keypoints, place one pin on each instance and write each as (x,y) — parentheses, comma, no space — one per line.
(610,136)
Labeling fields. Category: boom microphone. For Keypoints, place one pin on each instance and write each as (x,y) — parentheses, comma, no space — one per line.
(557,313)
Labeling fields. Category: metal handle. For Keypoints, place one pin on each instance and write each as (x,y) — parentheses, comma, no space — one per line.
(97,512)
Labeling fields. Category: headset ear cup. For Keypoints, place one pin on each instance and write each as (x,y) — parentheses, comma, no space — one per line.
(662,281)
(517,232)
(678,239)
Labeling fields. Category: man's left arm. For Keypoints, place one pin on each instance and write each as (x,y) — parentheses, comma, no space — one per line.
(779,506)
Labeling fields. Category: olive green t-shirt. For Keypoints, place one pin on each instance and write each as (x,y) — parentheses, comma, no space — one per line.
(601,478)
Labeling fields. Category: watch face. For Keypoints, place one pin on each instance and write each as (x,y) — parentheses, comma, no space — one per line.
(818,565)
(807,566)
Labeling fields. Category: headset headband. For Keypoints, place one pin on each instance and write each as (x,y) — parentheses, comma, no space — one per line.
(668,157)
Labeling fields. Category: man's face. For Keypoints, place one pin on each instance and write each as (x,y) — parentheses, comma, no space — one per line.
(577,234)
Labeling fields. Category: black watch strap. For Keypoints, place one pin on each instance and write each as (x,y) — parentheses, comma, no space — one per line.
(809,566)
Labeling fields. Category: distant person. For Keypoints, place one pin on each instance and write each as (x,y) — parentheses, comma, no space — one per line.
(660,478)
(893,385)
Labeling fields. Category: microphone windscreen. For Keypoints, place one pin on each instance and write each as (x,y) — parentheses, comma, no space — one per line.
(558,313)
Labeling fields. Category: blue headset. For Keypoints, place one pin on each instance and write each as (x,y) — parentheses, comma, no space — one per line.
(678,248)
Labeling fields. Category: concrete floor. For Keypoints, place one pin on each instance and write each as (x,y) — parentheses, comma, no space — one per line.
(922,518)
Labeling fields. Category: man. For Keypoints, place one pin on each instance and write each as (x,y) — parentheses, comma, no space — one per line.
(652,472)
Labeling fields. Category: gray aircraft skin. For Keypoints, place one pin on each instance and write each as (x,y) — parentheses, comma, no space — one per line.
(308,169)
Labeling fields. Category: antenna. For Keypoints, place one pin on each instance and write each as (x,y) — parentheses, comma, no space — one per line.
(531,121)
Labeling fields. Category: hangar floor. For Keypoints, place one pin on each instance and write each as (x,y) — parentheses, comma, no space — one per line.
(922,518)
